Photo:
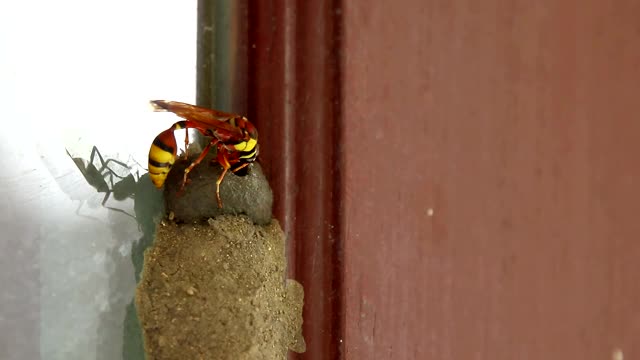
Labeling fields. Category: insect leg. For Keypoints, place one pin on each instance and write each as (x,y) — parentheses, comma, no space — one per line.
(186,143)
(240,167)
(193,164)
(224,162)
(191,125)
(218,182)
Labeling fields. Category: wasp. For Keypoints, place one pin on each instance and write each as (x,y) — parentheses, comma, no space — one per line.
(233,136)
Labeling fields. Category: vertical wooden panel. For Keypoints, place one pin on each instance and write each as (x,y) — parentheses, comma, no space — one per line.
(490,179)
(294,100)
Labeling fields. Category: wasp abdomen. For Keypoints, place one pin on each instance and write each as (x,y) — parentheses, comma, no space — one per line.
(162,156)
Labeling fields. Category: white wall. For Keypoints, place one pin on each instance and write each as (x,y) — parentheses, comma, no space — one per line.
(74,74)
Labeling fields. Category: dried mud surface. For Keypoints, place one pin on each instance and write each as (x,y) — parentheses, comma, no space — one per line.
(249,194)
(216,291)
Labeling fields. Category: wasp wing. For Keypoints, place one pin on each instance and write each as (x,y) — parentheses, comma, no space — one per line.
(212,118)
(192,111)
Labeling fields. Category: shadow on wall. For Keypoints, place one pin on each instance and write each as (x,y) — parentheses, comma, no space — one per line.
(116,180)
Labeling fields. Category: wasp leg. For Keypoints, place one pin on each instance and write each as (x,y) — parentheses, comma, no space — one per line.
(192,165)
(186,143)
(240,167)
(224,162)
(218,182)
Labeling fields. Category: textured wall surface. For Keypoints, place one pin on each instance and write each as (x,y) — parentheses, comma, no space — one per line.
(491,180)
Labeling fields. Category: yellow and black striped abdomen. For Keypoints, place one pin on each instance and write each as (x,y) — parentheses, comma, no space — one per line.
(162,155)
(248,150)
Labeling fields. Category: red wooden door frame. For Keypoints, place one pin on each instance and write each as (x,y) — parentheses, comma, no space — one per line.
(294,98)
(279,62)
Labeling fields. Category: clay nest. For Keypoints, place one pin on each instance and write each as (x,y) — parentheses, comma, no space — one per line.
(249,195)
(213,285)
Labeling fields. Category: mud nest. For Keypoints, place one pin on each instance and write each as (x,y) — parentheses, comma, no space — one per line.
(216,291)
(213,283)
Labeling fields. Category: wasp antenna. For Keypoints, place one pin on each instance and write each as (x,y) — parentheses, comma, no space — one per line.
(159,105)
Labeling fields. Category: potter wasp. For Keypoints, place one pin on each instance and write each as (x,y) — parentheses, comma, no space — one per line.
(233,136)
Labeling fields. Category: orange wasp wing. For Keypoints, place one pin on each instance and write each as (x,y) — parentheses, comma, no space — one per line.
(203,116)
